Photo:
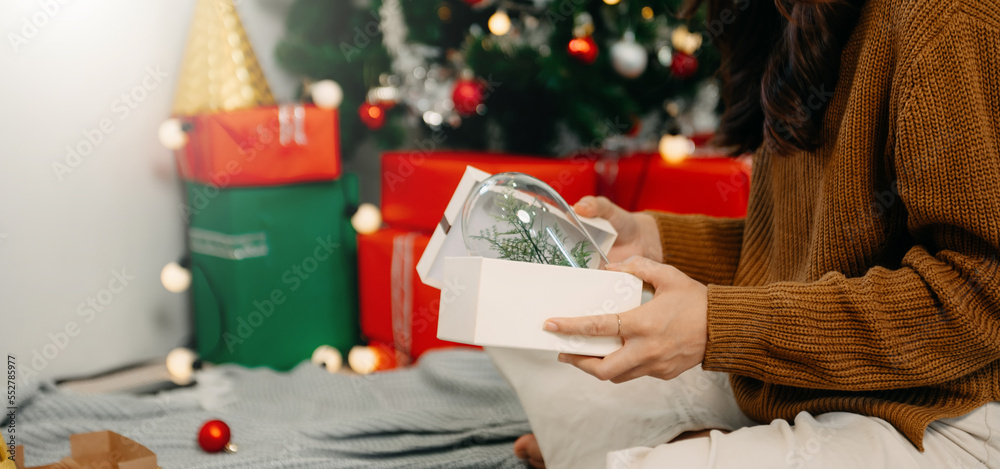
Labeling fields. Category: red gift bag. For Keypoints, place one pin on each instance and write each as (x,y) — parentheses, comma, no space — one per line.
(262,147)
(417,185)
(396,308)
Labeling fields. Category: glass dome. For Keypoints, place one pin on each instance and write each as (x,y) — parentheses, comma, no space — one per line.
(517,217)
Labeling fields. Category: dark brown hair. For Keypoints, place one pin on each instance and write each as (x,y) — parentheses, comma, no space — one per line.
(779,67)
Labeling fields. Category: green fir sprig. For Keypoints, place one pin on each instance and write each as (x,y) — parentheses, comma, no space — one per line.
(531,241)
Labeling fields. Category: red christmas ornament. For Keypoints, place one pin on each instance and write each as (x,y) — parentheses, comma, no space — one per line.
(683,65)
(467,96)
(214,436)
(373,115)
(636,126)
(583,49)
(472,3)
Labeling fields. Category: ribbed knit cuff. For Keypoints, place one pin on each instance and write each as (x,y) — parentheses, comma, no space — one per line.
(739,325)
(814,335)
(705,248)
(781,333)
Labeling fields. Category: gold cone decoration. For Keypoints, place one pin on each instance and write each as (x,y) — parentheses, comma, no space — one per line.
(5,461)
(220,71)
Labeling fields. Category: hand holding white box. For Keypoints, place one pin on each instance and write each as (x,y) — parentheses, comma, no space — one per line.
(504,303)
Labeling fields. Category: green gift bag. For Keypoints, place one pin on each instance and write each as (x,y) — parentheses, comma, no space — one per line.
(274,271)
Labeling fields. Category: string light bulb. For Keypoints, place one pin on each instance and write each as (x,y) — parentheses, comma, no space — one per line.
(499,23)
(328,357)
(611,2)
(172,134)
(181,363)
(175,278)
(367,220)
(366,359)
(675,148)
(327,94)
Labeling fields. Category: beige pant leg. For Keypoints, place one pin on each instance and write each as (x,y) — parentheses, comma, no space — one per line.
(578,419)
(971,441)
(834,440)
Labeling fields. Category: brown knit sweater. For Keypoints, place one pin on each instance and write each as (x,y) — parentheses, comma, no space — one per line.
(864,277)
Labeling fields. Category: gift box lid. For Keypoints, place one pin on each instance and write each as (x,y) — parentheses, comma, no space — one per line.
(447,240)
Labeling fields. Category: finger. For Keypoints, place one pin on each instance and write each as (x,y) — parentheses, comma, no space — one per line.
(600,325)
(636,372)
(603,369)
(586,206)
(590,206)
(648,270)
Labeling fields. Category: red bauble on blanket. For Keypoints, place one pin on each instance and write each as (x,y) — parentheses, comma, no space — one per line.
(214,437)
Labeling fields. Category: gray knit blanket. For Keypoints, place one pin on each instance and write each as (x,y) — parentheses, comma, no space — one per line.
(454,410)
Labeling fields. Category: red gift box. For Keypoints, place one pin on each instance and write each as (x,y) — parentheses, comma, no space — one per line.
(709,185)
(396,308)
(417,185)
(261,147)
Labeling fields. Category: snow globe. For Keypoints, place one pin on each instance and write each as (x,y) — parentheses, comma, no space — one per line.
(514,216)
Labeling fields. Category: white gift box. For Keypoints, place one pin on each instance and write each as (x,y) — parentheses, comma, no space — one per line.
(503,303)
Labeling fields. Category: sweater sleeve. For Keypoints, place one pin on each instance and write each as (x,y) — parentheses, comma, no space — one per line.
(935,318)
(705,248)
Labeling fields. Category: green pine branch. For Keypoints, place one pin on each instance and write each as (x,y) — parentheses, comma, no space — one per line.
(530,241)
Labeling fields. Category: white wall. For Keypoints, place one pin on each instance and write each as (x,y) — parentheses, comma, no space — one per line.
(62,240)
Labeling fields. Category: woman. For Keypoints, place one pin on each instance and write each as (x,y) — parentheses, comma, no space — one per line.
(857,306)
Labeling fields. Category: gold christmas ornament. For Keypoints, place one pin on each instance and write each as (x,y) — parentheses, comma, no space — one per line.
(685,41)
(219,71)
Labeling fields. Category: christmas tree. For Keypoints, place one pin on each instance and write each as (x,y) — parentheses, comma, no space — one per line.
(522,76)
